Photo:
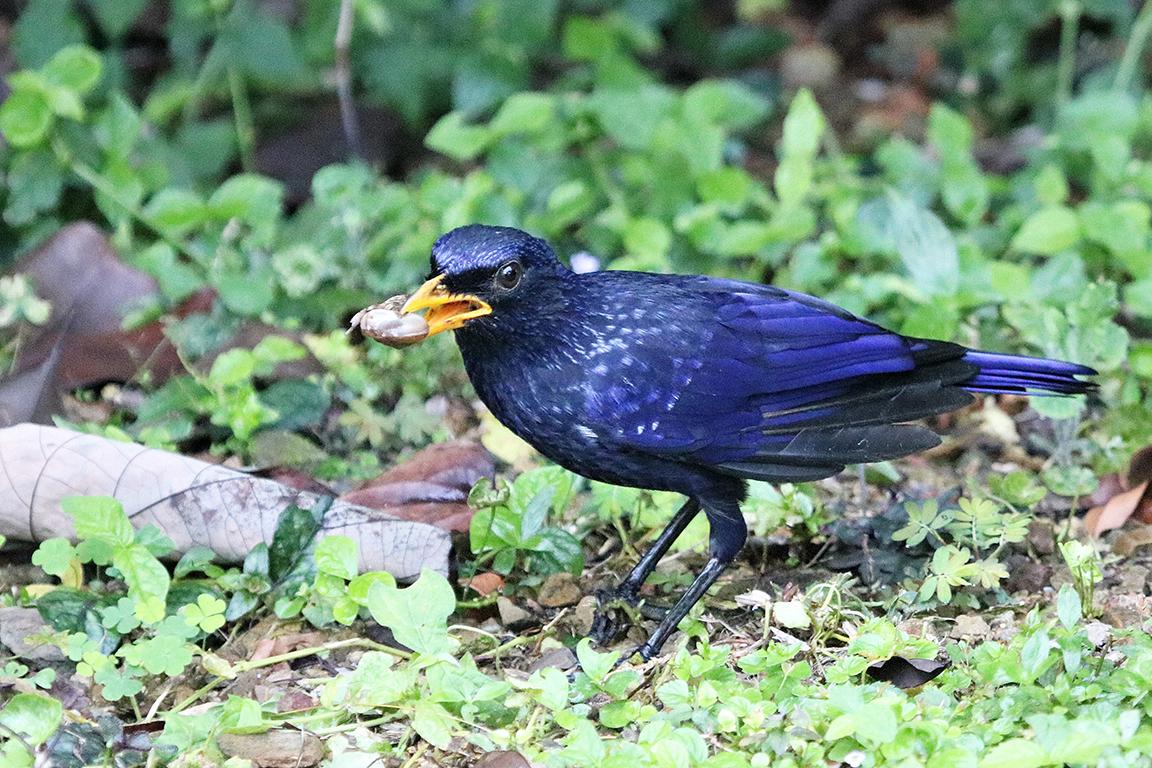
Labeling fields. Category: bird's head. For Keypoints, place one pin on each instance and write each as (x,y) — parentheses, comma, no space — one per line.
(496,278)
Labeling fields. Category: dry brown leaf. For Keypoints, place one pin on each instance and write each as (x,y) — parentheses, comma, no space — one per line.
(194,503)
(1131,540)
(1119,498)
(485,583)
(431,487)
(1140,467)
(1115,512)
(84,343)
(503,760)
(90,288)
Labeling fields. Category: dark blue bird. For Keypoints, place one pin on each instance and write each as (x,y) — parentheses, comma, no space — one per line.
(694,384)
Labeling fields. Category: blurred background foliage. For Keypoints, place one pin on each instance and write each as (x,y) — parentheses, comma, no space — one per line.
(976,170)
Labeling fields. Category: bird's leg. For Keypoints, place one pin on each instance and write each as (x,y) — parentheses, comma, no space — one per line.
(604,625)
(712,570)
(725,540)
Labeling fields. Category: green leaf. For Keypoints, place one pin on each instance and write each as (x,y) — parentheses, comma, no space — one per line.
(803,126)
(926,247)
(557,479)
(246,293)
(232,367)
(25,118)
(255,200)
(146,577)
(32,716)
(631,117)
(1123,228)
(729,103)
(1051,185)
(451,136)
(791,614)
(527,112)
(416,615)
(54,556)
(647,239)
(950,132)
(292,543)
(118,684)
(1068,606)
(116,18)
(99,517)
(557,550)
(535,512)
(76,68)
(360,586)
(206,614)
(262,47)
(594,664)
(1048,231)
(1070,481)
(120,617)
(433,723)
(160,655)
(43,27)
(338,556)
(175,210)
(725,186)
(67,610)
(1015,753)
(35,181)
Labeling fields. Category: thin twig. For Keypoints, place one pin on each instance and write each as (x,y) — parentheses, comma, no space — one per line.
(1070,11)
(348,117)
(1137,39)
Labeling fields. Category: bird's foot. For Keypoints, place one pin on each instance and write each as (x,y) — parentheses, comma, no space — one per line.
(618,608)
(645,652)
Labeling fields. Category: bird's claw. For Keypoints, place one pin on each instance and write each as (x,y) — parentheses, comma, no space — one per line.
(617,609)
(645,652)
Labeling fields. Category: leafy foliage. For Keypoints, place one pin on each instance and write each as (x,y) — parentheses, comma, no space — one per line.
(584,123)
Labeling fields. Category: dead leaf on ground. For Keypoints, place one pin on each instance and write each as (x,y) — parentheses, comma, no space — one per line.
(1132,539)
(281,644)
(276,748)
(1115,512)
(1122,498)
(906,673)
(503,760)
(485,583)
(89,288)
(84,343)
(431,487)
(194,503)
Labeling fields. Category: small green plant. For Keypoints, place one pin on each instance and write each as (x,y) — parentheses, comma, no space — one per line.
(1084,563)
(508,528)
(786,506)
(968,540)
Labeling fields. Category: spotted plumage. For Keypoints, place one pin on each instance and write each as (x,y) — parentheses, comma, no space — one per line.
(695,384)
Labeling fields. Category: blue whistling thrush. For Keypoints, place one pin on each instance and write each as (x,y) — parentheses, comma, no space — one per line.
(694,384)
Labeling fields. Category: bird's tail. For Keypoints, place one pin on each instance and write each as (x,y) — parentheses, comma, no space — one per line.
(1016,374)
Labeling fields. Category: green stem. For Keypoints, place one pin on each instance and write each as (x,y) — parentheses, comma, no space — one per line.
(1070,12)
(1137,39)
(242,114)
(98,182)
(246,666)
(300,653)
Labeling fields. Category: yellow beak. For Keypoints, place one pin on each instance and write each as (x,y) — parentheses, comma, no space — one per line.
(446,311)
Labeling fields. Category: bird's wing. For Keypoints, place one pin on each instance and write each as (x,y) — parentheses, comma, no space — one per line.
(784,387)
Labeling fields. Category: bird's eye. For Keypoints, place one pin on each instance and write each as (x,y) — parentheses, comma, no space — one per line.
(508,276)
